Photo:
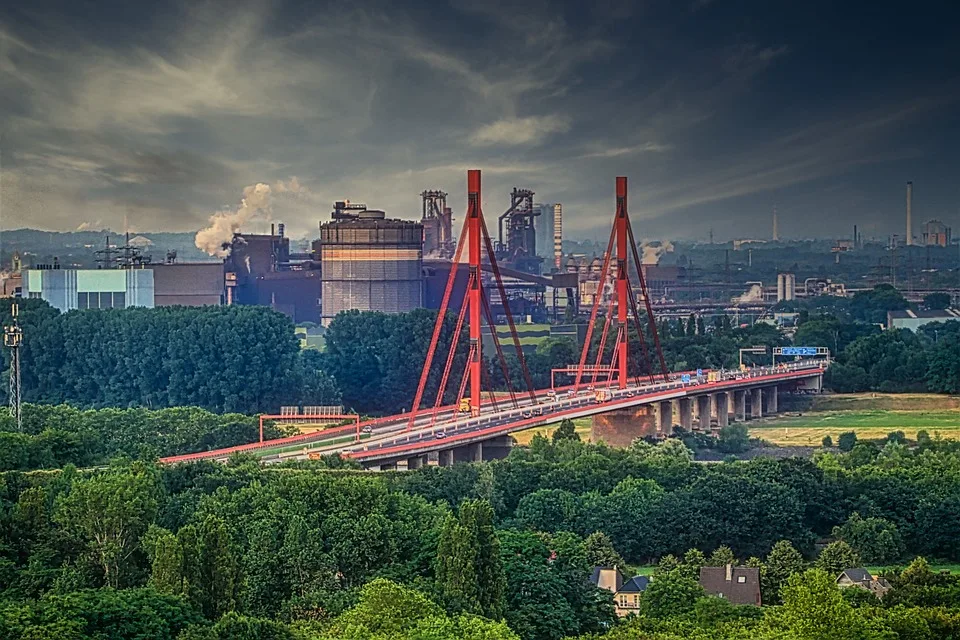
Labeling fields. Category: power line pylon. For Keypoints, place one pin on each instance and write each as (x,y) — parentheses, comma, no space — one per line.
(13,339)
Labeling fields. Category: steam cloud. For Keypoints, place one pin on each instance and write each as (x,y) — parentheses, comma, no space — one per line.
(256,201)
(653,250)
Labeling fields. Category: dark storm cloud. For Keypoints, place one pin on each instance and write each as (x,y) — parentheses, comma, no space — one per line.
(716,110)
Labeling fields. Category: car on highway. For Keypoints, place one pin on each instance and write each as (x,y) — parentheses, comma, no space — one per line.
(441,434)
(367,429)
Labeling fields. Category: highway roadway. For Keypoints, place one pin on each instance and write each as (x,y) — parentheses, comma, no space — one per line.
(548,408)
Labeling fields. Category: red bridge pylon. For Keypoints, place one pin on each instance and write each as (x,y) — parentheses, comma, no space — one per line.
(624,305)
(474,306)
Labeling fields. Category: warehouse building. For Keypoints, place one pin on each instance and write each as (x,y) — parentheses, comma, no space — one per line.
(913,320)
(69,289)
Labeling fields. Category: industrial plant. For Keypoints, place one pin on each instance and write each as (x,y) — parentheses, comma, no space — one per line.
(365,259)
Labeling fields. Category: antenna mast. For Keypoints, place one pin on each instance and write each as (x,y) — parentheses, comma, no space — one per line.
(12,339)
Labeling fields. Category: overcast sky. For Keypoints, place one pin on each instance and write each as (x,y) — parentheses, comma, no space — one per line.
(717,110)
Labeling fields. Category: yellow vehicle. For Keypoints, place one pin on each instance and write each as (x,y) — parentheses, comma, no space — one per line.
(601,395)
(464,406)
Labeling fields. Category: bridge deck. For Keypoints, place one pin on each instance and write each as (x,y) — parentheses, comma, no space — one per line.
(389,437)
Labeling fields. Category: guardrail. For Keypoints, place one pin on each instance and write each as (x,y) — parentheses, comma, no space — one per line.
(653,393)
(582,397)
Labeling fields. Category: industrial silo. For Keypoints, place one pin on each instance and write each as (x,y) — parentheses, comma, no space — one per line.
(371,264)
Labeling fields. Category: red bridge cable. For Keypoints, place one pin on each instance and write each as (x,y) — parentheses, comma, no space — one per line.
(596,306)
(450,356)
(437,326)
(506,309)
(651,319)
(603,344)
(640,332)
(616,353)
(496,341)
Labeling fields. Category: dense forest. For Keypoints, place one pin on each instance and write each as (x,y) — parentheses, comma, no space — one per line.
(493,550)
(225,359)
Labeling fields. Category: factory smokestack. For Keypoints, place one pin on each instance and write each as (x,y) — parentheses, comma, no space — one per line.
(909,213)
(776,235)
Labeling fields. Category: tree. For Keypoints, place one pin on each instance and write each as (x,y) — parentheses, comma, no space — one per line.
(721,557)
(670,594)
(111,511)
(166,561)
(101,613)
(782,562)
(734,438)
(468,565)
(847,441)
(237,627)
(691,563)
(827,442)
(874,540)
(936,301)
(814,609)
(566,431)
(600,551)
(216,568)
(943,370)
(836,557)
(386,608)
(549,595)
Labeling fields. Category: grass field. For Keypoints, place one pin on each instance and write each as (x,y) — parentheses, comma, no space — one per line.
(582,427)
(952,568)
(872,416)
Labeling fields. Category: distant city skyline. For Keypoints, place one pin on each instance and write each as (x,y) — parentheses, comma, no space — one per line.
(162,114)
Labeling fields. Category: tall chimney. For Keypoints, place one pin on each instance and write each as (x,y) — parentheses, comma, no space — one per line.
(909,213)
(776,236)
(856,243)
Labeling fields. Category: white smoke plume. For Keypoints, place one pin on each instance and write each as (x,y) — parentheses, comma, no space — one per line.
(256,203)
(653,250)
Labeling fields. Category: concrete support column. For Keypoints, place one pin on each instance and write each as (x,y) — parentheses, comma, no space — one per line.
(496,448)
(476,452)
(703,411)
(433,458)
(415,462)
(770,399)
(446,458)
(740,406)
(402,464)
(723,417)
(731,407)
(686,413)
(665,417)
(756,403)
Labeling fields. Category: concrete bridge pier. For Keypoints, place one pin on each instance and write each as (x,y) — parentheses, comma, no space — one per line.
(756,403)
(416,462)
(703,412)
(731,407)
(723,417)
(770,399)
(445,458)
(664,418)
(740,406)
(497,448)
(685,407)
